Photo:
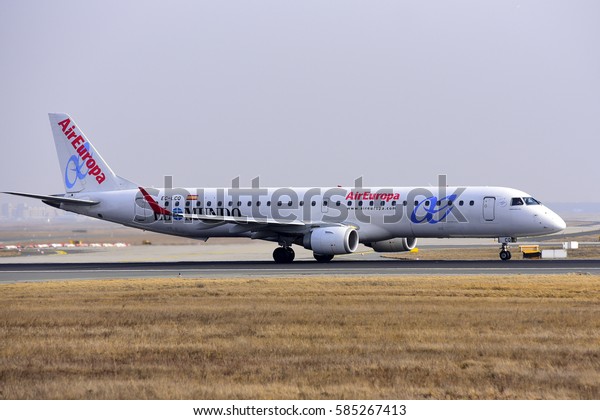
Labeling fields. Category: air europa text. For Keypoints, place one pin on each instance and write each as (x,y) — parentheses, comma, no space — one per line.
(370,196)
(78,143)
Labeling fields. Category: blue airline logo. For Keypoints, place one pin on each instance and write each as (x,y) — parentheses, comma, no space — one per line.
(431,208)
(177,213)
(77,167)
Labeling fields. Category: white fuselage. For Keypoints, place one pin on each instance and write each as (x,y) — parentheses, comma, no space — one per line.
(376,213)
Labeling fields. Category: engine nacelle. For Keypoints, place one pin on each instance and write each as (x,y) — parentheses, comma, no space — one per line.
(394,245)
(332,240)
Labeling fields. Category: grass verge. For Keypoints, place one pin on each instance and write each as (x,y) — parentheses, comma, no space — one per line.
(402,337)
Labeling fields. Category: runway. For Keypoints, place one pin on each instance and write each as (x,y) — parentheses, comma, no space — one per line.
(20,272)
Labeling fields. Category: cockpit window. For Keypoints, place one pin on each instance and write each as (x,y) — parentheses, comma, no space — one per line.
(530,201)
(516,201)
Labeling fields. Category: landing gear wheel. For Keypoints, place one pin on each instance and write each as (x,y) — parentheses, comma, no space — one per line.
(505,255)
(283,255)
(323,257)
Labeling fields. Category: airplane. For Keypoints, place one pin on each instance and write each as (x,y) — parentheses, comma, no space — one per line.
(328,221)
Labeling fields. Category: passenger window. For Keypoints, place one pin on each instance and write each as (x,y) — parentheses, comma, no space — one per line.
(405,203)
(471,203)
(279,204)
(220,204)
(239,203)
(208,203)
(289,204)
(258,204)
(314,203)
(349,203)
(360,203)
(370,203)
(198,204)
(337,203)
(249,203)
(325,203)
(516,201)
(177,204)
(187,203)
(301,203)
(460,203)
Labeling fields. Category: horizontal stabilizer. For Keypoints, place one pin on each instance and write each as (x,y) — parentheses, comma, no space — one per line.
(55,199)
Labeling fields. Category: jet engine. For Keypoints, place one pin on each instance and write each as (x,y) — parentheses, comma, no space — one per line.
(333,240)
(394,245)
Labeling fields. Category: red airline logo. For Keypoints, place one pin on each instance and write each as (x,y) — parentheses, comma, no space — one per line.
(370,196)
(153,204)
(78,143)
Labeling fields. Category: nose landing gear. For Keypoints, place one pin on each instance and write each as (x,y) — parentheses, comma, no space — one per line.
(505,254)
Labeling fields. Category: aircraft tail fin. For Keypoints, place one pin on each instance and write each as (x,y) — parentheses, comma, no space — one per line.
(82,167)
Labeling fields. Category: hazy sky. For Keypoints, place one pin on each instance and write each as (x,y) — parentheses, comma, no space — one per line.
(308,92)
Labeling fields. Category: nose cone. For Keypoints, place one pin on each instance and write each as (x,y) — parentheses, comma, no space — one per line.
(554,223)
(559,223)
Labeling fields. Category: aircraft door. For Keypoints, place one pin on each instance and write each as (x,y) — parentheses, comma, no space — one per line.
(489,209)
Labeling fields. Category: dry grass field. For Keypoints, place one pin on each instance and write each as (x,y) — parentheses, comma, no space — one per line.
(404,337)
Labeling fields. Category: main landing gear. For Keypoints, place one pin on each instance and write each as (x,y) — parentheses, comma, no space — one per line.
(323,257)
(284,255)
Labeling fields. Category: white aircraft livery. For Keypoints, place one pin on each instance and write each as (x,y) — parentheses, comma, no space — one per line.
(328,221)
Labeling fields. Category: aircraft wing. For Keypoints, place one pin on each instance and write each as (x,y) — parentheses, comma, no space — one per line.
(156,208)
(55,199)
(244,223)
(243,219)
